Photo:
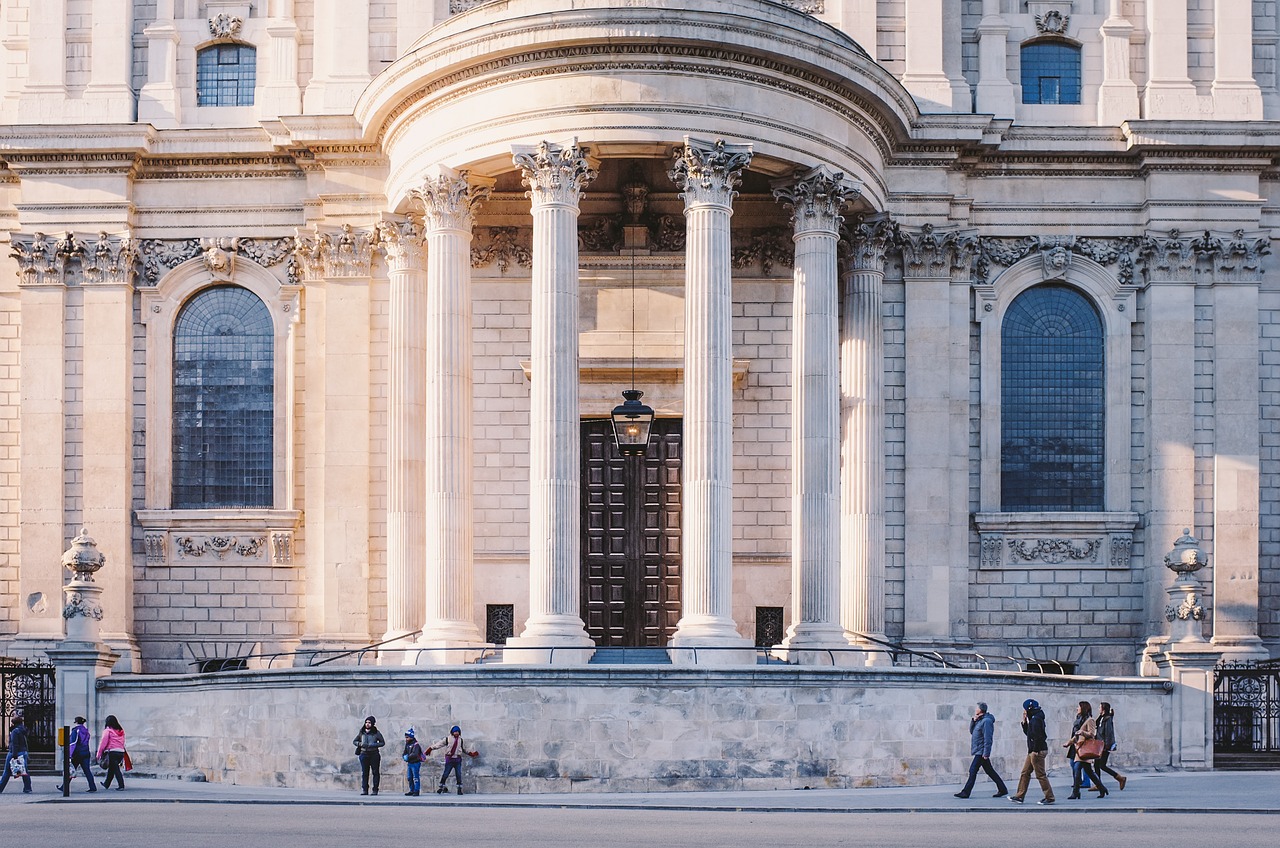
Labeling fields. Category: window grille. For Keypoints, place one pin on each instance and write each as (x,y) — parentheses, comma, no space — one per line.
(1050,73)
(226,75)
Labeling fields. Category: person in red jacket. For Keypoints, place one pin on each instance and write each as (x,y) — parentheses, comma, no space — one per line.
(454,747)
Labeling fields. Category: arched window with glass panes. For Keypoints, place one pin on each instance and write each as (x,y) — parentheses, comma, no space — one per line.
(1052,403)
(223,401)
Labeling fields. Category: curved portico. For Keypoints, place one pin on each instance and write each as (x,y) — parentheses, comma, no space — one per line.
(765,101)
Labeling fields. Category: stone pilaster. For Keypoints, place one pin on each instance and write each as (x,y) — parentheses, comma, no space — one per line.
(158,101)
(927,52)
(995,92)
(1170,94)
(449,199)
(556,176)
(862,477)
(404,246)
(1236,95)
(340,56)
(1118,94)
(335,266)
(110,85)
(708,174)
(280,93)
(816,198)
(936,275)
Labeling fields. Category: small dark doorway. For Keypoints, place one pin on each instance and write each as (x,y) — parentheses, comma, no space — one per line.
(631,537)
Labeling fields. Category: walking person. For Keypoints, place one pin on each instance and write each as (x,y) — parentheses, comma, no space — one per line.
(111,752)
(1107,733)
(454,747)
(1033,726)
(982,731)
(1083,729)
(18,748)
(412,757)
(80,745)
(369,743)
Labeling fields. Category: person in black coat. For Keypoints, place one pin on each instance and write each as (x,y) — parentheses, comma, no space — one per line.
(1033,727)
(369,743)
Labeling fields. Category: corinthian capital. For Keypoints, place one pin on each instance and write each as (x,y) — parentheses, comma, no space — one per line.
(555,174)
(109,261)
(450,198)
(402,243)
(347,253)
(868,240)
(816,198)
(708,172)
(929,253)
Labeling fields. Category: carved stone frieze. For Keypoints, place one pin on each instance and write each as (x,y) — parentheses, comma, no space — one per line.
(345,254)
(195,547)
(600,235)
(223,25)
(1055,253)
(503,246)
(708,172)
(670,233)
(766,248)
(213,538)
(812,7)
(926,252)
(1054,551)
(1049,539)
(159,256)
(456,6)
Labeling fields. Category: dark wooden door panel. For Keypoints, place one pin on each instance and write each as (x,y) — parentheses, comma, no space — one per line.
(631,537)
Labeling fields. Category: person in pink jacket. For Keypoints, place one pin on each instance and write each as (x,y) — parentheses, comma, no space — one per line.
(111,752)
(453,748)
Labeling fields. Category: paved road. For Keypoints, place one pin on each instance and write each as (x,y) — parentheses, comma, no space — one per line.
(1156,810)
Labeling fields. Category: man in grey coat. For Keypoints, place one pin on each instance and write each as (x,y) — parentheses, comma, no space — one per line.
(982,732)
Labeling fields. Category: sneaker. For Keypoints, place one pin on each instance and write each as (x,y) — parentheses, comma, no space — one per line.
(1122,780)
(1044,802)
(1015,799)
(365,792)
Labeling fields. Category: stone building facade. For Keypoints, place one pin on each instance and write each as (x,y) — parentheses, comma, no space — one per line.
(954,314)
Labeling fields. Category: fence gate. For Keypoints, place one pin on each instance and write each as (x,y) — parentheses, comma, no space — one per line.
(26,687)
(1246,714)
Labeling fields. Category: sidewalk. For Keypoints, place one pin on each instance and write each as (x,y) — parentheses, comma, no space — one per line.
(1146,792)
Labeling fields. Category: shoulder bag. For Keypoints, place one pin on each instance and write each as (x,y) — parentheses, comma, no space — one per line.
(1089,749)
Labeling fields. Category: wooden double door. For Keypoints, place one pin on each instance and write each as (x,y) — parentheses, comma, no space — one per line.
(631,511)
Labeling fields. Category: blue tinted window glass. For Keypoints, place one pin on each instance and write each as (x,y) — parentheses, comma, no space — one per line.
(223,405)
(226,75)
(1050,73)
(1052,403)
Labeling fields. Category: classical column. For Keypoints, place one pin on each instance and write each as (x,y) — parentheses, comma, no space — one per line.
(1170,379)
(158,101)
(404,247)
(862,534)
(1170,92)
(336,268)
(1118,94)
(708,174)
(1236,95)
(556,176)
(937,286)
(816,198)
(340,56)
(449,199)
(995,92)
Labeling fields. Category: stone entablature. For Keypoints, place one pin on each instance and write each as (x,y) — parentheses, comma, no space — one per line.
(218,537)
(1034,540)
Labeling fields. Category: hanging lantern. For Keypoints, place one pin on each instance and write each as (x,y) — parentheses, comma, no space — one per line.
(632,421)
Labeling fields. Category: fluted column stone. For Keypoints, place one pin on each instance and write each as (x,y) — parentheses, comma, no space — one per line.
(708,174)
(449,199)
(816,198)
(556,176)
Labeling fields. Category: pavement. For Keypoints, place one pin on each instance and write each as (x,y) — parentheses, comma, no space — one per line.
(1164,791)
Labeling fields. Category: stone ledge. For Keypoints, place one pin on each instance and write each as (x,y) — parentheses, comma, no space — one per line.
(1035,540)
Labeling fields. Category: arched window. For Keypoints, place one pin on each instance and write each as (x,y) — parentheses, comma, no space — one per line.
(226,75)
(1052,403)
(1050,72)
(223,408)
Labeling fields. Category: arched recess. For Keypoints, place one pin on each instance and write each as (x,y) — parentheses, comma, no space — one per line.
(160,308)
(1116,306)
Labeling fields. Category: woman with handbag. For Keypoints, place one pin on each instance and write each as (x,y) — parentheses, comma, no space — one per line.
(111,752)
(1083,748)
(1107,733)
(15,762)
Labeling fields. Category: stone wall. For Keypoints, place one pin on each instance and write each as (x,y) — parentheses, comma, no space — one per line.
(620,729)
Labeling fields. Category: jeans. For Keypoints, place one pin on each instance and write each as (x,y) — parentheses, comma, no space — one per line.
(26,778)
(1034,762)
(370,763)
(981,762)
(115,759)
(82,762)
(1085,767)
(1077,776)
(455,766)
(415,777)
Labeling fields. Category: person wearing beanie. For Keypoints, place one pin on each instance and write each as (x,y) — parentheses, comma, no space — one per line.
(79,746)
(1033,727)
(17,751)
(412,757)
(454,747)
(369,743)
(982,732)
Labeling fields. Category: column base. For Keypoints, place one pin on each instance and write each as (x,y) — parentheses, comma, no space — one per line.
(323,647)
(451,643)
(553,640)
(817,644)
(1117,103)
(1171,101)
(874,655)
(1239,649)
(710,642)
(1237,101)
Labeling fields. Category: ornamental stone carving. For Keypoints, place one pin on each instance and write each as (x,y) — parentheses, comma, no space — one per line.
(219,256)
(219,546)
(1053,22)
(766,247)
(223,25)
(456,6)
(929,253)
(403,244)
(1170,257)
(44,261)
(1054,551)
(159,256)
(345,254)
(1032,540)
(109,260)
(1189,610)
(811,7)
(709,172)
(553,173)
(503,246)
(601,235)
(449,200)
(866,242)
(816,198)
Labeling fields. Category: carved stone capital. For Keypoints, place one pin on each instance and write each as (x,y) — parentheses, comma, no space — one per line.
(816,198)
(43,261)
(866,242)
(342,255)
(450,198)
(1169,257)
(931,254)
(554,174)
(109,260)
(1233,258)
(708,172)
(403,244)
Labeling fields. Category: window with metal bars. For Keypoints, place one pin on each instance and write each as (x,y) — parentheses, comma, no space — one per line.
(1050,73)
(226,75)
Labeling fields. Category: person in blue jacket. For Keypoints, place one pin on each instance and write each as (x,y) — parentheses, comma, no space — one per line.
(982,732)
(17,748)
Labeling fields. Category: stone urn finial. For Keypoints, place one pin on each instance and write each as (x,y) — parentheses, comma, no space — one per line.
(83,557)
(1186,558)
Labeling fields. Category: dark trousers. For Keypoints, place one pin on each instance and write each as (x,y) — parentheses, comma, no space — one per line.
(4,779)
(370,764)
(456,766)
(1086,768)
(114,761)
(82,762)
(981,762)
(1101,765)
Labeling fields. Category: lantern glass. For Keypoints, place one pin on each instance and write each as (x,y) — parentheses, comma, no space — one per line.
(632,421)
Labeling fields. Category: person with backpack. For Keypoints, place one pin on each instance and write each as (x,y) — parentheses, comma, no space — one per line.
(453,748)
(413,757)
(81,753)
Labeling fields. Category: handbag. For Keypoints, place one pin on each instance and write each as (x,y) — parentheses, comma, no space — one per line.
(1089,749)
(18,765)
(128,761)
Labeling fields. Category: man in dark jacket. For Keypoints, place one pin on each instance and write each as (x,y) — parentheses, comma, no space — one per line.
(1037,749)
(982,731)
(17,748)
